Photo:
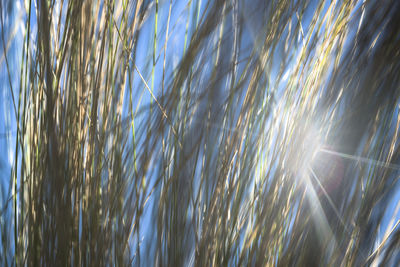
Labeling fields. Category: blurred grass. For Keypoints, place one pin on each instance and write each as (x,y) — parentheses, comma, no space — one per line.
(188,132)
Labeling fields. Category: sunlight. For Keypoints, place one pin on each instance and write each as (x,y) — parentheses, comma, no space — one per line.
(327,196)
(362,159)
(324,231)
(310,146)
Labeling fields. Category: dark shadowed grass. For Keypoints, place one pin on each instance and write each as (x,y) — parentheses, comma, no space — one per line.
(180,133)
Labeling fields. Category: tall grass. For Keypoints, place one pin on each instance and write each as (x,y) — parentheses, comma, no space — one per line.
(180,133)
